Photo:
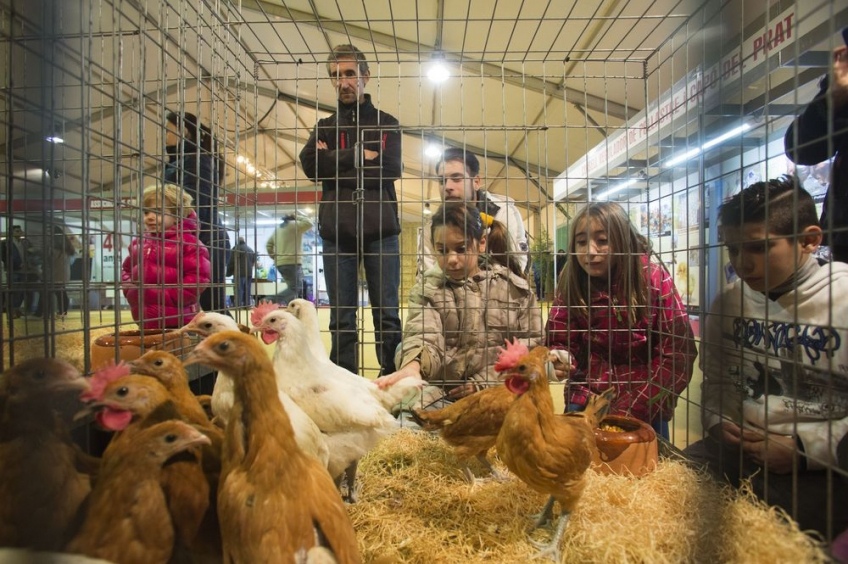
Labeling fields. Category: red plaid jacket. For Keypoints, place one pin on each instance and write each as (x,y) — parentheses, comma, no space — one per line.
(649,364)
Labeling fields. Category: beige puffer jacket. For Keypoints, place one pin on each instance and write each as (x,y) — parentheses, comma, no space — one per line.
(456,329)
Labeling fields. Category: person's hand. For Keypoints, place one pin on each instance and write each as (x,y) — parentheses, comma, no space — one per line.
(370,155)
(732,434)
(411,370)
(839,84)
(461,391)
(776,452)
(321,145)
(563,362)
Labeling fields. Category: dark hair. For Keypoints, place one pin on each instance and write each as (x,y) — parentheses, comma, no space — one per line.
(472,165)
(473,224)
(348,52)
(196,135)
(780,203)
(61,241)
(627,248)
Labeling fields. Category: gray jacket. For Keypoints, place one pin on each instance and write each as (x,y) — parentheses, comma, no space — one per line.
(456,329)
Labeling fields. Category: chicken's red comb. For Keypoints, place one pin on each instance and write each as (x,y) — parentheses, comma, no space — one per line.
(260,311)
(509,356)
(102,378)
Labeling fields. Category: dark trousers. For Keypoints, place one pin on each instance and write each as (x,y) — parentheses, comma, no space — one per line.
(243,291)
(381,263)
(819,499)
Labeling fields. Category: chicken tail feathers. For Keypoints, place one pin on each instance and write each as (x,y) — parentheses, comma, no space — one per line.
(598,406)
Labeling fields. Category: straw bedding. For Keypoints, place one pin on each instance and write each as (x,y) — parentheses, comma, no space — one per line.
(414,506)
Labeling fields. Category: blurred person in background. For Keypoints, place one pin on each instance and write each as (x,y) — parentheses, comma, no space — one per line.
(240,267)
(195,165)
(285,247)
(821,133)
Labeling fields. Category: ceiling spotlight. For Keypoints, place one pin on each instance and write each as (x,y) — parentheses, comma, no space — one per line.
(433,151)
(55,135)
(438,71)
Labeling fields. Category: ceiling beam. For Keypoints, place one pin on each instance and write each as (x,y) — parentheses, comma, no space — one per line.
(470,67)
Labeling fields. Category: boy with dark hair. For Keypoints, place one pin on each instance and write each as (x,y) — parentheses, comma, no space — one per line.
(775,358)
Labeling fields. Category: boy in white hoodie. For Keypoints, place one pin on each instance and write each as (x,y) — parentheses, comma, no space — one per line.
(775,359)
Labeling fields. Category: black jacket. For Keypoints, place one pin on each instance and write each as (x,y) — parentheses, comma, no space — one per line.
(242,261)
(808,142)
(334,168)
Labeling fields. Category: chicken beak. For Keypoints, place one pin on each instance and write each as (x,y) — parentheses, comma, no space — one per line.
(196,356)
(200,439)
(85,411)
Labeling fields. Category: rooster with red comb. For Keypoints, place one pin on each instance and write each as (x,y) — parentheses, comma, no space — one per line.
(548,452)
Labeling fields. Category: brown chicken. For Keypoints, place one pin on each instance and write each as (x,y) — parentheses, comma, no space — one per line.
(274,501)
(128,519)
(471,424)
(548,452)
(169,370)
(44,477)
(189,480)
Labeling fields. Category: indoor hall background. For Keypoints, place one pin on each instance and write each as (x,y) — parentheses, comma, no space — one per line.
(564,104)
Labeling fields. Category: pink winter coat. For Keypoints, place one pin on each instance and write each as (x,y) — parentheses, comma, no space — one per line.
(164,275)
(649,365)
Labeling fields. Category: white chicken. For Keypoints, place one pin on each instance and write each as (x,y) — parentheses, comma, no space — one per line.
(351,410)
(305,311)
(307,434)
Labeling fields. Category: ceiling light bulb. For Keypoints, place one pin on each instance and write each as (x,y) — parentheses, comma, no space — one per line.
(438,72)
(433,151)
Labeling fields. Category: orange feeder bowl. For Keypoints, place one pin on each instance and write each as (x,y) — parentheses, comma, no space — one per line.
(131,345)
(631,448)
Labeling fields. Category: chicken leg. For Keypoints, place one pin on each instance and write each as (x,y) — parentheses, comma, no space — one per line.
(551,549)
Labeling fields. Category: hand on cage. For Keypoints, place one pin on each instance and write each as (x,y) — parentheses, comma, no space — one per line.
(563,363)
(460,392)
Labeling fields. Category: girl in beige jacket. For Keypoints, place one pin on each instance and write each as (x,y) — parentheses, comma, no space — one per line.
(463,309)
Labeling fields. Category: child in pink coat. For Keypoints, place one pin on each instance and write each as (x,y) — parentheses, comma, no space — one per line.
(168,267)
(620,317)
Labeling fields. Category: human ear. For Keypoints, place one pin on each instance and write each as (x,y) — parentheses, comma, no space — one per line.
(810,238)
(481,245)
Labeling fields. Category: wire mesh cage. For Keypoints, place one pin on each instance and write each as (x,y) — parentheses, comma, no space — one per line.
(303,172)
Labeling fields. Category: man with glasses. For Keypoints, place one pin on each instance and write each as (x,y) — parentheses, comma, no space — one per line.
(356,155)
(459,180)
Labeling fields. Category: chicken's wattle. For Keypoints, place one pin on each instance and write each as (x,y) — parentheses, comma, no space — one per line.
(517,385)
(269,336)
(113,419)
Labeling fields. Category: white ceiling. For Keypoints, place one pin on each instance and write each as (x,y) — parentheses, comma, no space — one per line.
(534,85)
